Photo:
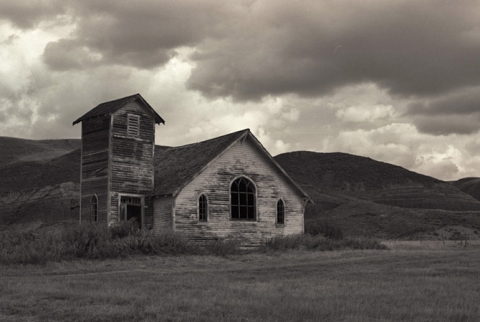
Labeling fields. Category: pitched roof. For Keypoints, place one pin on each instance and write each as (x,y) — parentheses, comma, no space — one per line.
(113,106)
(175,167)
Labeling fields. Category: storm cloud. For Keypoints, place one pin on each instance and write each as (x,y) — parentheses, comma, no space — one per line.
(313,47)
(253,49)
(456,112)
(142,34)
(393,80)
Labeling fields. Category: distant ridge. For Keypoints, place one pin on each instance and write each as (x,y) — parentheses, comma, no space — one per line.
(38,180)
(469,185)
(365,197)
(14,149)
(342,174)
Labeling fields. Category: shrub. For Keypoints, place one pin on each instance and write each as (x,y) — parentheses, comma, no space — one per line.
(222,247)
(319,242)
(86,240)
(124,229)
(98,242)
(326,229)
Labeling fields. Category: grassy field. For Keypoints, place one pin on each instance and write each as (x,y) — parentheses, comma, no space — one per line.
(406,283)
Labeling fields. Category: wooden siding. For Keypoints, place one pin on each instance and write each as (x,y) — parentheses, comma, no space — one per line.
(242,159)
(162,215)
(94,166)
(114,211)
(148,213)
(131,157)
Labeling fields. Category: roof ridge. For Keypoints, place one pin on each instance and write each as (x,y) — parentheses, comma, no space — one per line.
(208,140)
(120,99)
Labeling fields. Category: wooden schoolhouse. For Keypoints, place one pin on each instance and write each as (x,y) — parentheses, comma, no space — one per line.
(226,187)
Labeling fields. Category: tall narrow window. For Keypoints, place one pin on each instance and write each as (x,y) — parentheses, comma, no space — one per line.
(242,198)
(133,125)
(280,212)
(94,209)
(202,208)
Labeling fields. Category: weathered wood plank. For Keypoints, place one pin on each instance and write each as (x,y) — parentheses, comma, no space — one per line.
(162,215)
(94,165)
(131,159)
(240,160)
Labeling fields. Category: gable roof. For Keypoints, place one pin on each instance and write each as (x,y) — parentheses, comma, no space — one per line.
(175,167)
(113,106)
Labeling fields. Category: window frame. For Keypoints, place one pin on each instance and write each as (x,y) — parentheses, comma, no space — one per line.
(94,208)
(199,208)
(277,221)
(126,199)
(254,195)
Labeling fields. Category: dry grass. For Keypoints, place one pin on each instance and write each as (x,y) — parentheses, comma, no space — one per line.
(369,285)
(431,244)
(90,241)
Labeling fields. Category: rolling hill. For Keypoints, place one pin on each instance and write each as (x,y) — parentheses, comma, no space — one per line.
(365,197)
(18,150)
(39,182)
(469,185)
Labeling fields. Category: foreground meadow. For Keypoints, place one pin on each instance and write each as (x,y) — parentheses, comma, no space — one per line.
(439,284)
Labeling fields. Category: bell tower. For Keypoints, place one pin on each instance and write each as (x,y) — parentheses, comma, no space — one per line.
(118,146)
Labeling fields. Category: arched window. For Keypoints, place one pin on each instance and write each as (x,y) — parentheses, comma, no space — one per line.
(94,209)
(242,198)
(280,212)
(202,208)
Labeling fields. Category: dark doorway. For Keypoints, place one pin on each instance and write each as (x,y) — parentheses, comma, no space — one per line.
(131,209)
(135,212)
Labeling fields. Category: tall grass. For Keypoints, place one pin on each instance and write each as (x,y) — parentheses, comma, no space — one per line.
(90,241)
(319,242)
(324,228)
(98,242)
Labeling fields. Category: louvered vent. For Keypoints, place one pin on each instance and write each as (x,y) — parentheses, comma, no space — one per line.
(133,125)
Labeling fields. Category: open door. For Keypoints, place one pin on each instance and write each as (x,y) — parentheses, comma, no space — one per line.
(131,208)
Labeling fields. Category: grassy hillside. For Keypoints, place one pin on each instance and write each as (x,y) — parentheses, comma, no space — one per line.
(469,185)
(38,180)
(365,197)
(346,175)
(14,150)
(28,175)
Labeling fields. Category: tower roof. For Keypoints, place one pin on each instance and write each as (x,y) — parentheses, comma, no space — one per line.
(113,106)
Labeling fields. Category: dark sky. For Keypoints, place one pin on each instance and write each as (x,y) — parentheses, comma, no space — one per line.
(398,81)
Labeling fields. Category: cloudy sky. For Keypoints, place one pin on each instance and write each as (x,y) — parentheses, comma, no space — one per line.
(397,81)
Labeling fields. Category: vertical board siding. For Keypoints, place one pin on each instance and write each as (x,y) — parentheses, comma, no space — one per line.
(162,215)
(94,176)
(131,163)
(148,214)
(241,159)
(114,211)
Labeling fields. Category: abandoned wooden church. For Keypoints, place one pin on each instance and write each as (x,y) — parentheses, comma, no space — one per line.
(229,186)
